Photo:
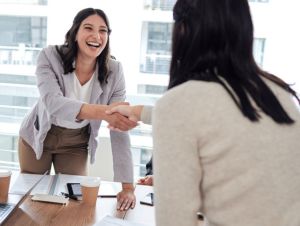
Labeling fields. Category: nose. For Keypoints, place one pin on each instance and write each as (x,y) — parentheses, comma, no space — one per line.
(97,35)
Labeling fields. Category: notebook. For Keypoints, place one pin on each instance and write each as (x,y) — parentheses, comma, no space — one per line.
(6,209)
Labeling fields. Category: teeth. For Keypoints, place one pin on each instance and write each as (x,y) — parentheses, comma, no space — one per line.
(95,44)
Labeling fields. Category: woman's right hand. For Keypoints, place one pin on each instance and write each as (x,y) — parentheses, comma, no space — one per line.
(119,122)
(133,113)
(97,112)
(147,180)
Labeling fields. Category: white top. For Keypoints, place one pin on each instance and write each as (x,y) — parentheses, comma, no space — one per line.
(5,173)
(208,156)
(78,92)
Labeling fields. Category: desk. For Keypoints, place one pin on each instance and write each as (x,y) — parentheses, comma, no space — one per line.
(32,213)
(142,213)
(76,213)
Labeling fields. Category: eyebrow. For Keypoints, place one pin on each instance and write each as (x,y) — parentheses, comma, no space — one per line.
(102,26)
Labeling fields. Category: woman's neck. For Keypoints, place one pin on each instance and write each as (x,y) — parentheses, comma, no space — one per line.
(84,69)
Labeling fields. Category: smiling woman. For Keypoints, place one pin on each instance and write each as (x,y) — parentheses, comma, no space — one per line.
(91,38)
(77,82)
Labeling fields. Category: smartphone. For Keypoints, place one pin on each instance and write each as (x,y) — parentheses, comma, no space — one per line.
(74,189)
(148,199)
(108,190)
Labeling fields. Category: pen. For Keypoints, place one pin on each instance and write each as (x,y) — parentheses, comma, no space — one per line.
(74,197)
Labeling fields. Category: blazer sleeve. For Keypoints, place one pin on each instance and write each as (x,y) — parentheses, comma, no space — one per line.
(119,88)
(56,104)
(120,141)
(122,157)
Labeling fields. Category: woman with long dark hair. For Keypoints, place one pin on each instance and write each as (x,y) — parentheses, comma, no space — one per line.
(77,82)
(226,134)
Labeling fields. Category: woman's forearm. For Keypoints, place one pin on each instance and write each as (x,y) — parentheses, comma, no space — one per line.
(97,112)
(93,111)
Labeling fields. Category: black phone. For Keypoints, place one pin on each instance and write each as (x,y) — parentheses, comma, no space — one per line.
(148,199)
(74,189)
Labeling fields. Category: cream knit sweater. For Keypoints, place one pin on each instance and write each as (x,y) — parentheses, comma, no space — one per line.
(209,157)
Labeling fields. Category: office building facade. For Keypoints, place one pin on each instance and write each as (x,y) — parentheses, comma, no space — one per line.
(140,39)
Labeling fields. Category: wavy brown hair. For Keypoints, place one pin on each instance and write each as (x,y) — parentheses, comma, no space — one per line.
(68,51)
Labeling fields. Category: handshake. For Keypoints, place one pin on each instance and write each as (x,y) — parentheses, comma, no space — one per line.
(123,117)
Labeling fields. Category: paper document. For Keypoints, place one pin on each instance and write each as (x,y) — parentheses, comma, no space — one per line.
(25,181)
(113,221)
(55,184)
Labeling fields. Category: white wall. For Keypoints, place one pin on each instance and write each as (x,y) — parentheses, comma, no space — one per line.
(278,22)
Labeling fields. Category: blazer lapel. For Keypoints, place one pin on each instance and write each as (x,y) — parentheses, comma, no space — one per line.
(96,90)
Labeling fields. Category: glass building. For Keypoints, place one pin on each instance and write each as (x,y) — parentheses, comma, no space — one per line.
(141,40)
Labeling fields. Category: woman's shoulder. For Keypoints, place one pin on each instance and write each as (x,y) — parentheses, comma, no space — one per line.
(190,90)
(50,49)
(113,63)
(193,96)
(50,52)
(50,56)
(115,67)
(179,95)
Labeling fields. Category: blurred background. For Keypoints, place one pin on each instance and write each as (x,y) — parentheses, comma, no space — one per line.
(141,40)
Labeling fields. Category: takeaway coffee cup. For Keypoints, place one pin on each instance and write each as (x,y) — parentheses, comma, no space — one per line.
(89,189)
(4,185)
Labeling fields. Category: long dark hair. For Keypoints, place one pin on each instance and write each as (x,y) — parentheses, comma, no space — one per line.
(68,51)
(212,41)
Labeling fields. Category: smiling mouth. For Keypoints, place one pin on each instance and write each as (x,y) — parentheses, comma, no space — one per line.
(93,44)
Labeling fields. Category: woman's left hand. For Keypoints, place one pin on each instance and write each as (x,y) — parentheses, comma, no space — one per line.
(126,198)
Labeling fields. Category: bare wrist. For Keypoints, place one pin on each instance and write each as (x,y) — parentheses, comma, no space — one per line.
(127,186)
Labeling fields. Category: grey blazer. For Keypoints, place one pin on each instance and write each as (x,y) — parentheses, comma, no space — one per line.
(52,104)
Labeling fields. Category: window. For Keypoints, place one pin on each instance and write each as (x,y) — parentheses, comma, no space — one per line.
(156,48)
(25,2)
(21,39)
(143,46)
(17,94)
(151,89)
(166,5)
(17,79)
(141,156)
(28,31)
(258,50)
(263,1)
(8,153)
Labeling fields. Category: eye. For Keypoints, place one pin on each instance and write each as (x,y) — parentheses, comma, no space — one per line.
(103,31)
(88,28)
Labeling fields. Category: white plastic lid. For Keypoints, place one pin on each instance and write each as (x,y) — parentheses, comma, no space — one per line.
(91,182)
(5,173)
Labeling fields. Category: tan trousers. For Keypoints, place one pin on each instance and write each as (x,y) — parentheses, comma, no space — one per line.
(67,149)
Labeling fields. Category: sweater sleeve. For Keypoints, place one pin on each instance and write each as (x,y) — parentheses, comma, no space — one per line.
(177,172)
(146,115)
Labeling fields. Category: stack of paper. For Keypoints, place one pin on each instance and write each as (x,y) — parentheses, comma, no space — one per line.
(112,221)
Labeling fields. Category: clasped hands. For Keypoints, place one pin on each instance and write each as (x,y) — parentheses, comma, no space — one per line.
(123,117)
